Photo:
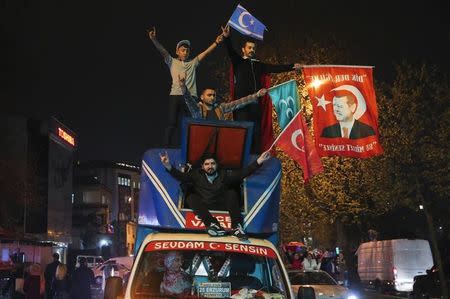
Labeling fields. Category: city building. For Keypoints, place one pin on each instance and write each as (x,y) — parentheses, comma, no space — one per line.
(110,191)
(36,173)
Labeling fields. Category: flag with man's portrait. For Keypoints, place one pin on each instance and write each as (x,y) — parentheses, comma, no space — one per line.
(344,110)
(285,101)
(245,23)
(297,143)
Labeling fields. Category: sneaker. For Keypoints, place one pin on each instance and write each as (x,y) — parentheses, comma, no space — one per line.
(239,232)
(215,230)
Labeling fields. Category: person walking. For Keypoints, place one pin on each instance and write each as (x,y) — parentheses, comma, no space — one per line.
(49,276)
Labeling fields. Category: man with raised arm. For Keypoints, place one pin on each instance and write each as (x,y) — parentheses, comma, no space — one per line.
(213,189)
(208,106)
(180,65)
(247,76)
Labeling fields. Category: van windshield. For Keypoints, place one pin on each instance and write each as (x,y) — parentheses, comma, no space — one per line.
(200,269)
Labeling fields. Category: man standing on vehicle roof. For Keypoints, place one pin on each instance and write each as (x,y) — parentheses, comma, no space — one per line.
(179,66)
(213,188)
(248,74)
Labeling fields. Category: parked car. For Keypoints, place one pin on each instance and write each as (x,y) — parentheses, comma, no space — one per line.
(127,261)
(429,285)
(317,284)
(119,270)
(92,260)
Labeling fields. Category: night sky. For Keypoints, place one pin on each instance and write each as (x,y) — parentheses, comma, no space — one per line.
(91,64)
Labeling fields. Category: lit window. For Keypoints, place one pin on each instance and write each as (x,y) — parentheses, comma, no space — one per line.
(128,182)
(134,184)
(73,198)
(118,180)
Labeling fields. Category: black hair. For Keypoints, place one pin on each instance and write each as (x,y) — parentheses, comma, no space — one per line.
(207,156)
(249,41)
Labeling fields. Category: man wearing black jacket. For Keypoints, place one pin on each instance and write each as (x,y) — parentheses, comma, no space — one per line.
(248,73)
(212,188)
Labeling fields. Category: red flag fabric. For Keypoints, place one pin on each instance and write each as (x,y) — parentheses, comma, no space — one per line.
(344,110)
(266,116)
(266,110)
(297,143)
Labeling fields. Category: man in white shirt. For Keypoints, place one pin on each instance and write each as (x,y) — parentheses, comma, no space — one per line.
(180,66)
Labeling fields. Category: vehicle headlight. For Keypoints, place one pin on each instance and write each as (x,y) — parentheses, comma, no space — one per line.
(352,297)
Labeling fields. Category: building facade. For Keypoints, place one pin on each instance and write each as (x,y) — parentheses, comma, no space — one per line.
(36,174)
(122,181)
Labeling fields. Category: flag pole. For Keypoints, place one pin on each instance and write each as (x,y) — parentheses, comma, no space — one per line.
(281,133)
(280,84)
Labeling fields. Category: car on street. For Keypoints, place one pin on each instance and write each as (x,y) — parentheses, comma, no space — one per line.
(321,282)
(120,270)
(429,285)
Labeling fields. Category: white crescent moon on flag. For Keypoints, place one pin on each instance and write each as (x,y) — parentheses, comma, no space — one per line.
(241,18)
(294,139)
(361,105)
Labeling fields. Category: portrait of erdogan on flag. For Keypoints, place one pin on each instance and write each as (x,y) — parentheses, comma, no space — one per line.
(345,109)
(345,113)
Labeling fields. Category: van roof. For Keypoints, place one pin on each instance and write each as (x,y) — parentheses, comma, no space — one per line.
(397,243)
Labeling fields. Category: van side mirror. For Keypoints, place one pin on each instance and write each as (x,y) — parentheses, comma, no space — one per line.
(306,293)
(113,288)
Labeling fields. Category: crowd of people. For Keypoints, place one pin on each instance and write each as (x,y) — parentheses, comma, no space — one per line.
(248,86)
(212,187)
(53,282)
(326,260)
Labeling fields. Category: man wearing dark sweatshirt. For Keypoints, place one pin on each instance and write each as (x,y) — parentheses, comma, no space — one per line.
(247,73)
(213,189)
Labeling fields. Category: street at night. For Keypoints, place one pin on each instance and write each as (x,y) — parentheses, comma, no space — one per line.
(224,149)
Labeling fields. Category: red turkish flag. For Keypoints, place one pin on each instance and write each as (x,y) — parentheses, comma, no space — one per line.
(344,110)
(297,143)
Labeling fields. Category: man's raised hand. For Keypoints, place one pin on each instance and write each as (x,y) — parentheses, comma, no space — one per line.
(262,92)
(219,39)
(226,31)
(263,157)
(152,33)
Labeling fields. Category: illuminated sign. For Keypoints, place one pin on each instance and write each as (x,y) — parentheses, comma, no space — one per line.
(66,136)
(210,246)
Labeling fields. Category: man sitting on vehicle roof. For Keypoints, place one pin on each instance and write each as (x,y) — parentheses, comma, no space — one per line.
(213,188)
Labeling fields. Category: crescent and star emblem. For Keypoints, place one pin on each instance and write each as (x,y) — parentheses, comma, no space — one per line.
(241,18)
(294,136)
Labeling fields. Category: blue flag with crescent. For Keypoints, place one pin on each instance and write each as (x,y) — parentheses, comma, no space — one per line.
(245,23)
(285,101)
